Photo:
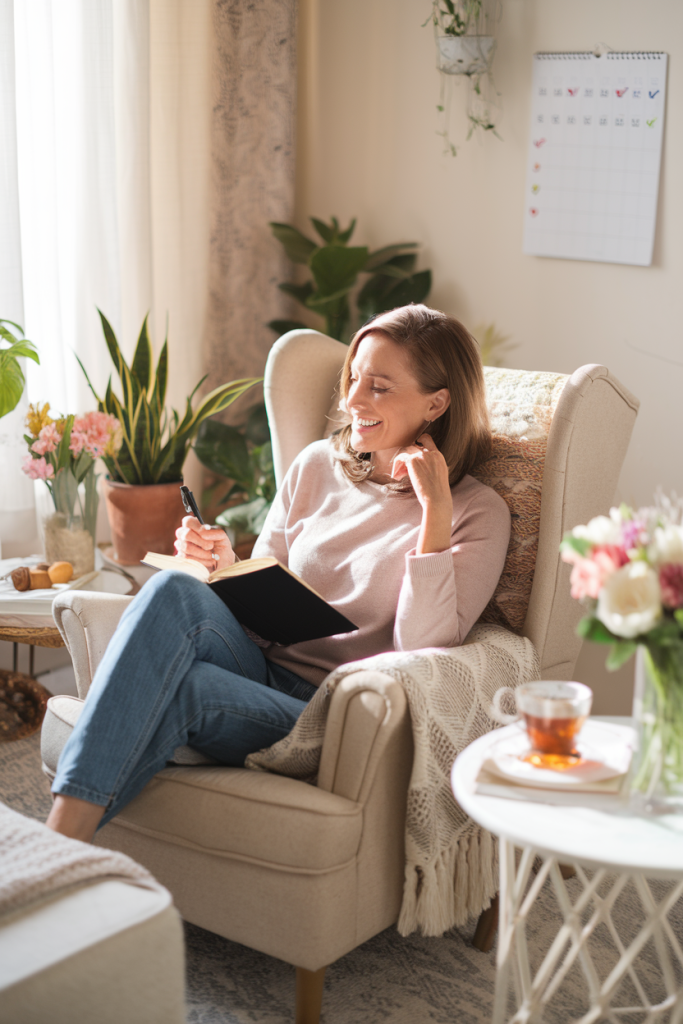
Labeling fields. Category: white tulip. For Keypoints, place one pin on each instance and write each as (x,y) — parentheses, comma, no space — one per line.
(600,530)
(666,546)
(630,603)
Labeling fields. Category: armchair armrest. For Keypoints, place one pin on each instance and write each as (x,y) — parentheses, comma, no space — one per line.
(368,714)
(87,622)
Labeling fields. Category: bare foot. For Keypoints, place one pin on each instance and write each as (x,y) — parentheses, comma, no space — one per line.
(77,819)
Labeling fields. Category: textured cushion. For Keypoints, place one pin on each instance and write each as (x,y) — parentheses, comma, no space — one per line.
(522,403)
(515,471)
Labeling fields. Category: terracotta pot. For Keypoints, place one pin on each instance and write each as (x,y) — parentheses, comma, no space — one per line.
(143,517)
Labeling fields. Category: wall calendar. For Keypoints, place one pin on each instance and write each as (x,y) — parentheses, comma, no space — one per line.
(594,155)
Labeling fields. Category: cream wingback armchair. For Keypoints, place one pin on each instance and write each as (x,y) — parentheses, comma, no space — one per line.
(306,873)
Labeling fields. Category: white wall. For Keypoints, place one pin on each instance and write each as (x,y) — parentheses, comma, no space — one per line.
(368,148)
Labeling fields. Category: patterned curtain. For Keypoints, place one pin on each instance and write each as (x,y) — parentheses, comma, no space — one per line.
(252,181)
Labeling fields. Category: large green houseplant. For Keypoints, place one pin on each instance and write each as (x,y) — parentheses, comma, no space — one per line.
(142,488)
(12,379)
(391,279)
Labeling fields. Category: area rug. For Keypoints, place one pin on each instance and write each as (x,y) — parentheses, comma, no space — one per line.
(388,980)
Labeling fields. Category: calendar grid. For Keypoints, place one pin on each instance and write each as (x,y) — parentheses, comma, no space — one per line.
(594,156)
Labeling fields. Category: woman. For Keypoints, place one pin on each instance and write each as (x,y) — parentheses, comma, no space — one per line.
(382,520)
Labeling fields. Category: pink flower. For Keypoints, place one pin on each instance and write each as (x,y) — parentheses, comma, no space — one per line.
(671,584)
(589,574)
(37,469)
(96,433)
(48,439)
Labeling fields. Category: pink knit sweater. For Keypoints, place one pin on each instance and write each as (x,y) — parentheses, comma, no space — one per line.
(355,544)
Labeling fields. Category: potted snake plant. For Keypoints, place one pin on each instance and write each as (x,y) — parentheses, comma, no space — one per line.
(144,476)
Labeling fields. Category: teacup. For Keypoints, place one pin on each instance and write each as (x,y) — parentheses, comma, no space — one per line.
(554,713)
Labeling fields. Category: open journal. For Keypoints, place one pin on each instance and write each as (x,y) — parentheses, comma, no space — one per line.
(266,597)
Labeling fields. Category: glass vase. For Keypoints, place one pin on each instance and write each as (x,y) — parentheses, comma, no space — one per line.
(70,529)
(657,779)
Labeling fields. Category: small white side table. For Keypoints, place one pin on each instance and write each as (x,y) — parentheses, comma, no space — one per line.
(610,840)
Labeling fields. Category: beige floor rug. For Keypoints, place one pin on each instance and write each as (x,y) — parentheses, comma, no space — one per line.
(389,980)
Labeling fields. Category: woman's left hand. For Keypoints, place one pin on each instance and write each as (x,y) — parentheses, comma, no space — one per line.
(428,472)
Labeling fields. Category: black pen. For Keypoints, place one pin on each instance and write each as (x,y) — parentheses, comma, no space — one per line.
(191,505)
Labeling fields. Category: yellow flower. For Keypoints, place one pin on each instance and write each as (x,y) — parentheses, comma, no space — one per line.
(38,418)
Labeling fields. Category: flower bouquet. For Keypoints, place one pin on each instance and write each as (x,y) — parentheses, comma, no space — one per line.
(63,452)
(627,568)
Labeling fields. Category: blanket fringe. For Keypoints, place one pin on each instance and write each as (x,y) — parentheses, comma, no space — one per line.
(457,885)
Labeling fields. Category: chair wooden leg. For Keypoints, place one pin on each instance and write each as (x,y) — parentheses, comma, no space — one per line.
(309,995)
(487,926)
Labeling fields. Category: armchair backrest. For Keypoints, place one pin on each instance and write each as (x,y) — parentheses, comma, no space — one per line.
(587,419)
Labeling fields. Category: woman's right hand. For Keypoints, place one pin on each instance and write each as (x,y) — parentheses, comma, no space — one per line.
(206,544)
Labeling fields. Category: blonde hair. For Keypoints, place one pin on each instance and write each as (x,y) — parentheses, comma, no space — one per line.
(443,355)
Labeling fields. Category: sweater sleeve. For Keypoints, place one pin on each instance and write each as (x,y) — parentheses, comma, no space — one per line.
(443,594)
(273,540)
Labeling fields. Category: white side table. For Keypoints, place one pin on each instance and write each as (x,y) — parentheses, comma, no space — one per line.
(610,840)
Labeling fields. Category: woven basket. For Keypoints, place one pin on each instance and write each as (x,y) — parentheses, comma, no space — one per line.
(23,701)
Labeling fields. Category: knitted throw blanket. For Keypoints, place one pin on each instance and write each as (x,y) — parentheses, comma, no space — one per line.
(451,863)
(37,863)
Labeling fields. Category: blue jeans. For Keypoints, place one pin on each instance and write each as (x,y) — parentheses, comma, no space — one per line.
(178,670)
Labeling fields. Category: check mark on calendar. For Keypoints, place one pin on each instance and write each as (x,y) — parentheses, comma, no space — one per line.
(535,189)
(538,143)
(621,92)
(573,92)
(651,123)
(653,94)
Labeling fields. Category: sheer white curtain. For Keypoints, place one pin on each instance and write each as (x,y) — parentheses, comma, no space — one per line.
(104,167)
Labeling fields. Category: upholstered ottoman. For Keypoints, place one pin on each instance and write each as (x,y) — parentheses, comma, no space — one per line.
(100,947)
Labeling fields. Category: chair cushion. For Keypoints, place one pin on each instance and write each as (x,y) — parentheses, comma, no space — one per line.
(515,471)
(230,812)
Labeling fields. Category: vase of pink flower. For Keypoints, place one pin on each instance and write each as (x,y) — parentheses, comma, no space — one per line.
(63,452)
(627,569)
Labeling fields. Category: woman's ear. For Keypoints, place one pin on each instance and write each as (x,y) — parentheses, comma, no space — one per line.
(438,403)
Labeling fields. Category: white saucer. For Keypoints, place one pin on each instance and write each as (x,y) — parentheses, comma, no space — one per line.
(606,750)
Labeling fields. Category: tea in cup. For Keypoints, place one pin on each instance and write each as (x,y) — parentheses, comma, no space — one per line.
(554,714)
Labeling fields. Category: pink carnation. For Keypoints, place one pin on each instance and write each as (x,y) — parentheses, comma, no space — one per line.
(589,574)
(48,439)
(671,585)
(37,469)
(94,433)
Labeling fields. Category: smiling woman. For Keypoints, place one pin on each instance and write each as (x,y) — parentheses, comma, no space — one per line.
(382,520)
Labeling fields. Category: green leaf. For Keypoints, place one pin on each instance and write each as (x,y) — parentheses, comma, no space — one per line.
(12,323)
(256,428)
(678,616)
(87,378)
(576,544)
(381,293)
(247,518)
(345,236)
(119,362)
(620,652)
(300,292)
(398,267)
(161,379)
(141,366)
(283,326)
(335,269)
(297,246)
(11,382)
(63,453)
(591,628)
(223,450)
(666,634)
(381,256)
(24,348)
(327,232)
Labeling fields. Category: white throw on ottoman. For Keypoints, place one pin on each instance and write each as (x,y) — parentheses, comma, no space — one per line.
(86,934)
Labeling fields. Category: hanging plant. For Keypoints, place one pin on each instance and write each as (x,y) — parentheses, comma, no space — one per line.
(465,47)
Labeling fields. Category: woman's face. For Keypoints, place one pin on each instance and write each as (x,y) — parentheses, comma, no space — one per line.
(387,407)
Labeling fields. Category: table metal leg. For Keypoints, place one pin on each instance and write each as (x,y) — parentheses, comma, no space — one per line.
(31,650)
(15,657)
(581,913)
